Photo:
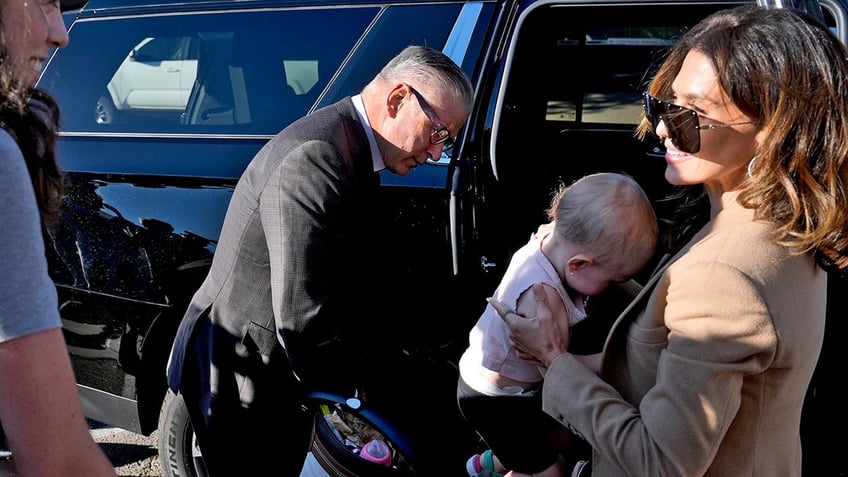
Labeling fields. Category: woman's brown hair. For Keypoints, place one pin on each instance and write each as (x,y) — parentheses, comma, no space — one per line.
(31,116)
(787,72)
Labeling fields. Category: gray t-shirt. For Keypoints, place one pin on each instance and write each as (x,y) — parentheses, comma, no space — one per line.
(28,301)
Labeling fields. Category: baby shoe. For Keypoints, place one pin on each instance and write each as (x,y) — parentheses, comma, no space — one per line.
(481,465)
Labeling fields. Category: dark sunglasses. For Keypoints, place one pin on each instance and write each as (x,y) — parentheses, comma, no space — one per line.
(682,123)
(440,134)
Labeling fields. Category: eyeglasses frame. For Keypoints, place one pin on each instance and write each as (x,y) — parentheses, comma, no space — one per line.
(440,134)
(675,132)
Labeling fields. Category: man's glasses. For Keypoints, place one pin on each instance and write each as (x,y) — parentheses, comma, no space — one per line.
(440,134)
(682,123)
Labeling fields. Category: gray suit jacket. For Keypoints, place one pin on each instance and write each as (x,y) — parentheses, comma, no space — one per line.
(707,371)
(276,315)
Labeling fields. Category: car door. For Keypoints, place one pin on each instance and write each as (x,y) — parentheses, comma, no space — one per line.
(564,102)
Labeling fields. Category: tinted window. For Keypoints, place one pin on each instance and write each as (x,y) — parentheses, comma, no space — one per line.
(595,62)
(396,28)
(157,74)
(247,72)
(606,90)
(571,99)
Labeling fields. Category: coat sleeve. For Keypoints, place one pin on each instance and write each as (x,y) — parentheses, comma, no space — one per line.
(679,389)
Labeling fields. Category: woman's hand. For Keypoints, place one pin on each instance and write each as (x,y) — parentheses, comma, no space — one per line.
(541,337)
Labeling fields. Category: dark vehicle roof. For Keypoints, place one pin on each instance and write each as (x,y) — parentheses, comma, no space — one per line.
(127,6)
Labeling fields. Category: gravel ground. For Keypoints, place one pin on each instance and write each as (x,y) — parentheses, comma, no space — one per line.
(132,455)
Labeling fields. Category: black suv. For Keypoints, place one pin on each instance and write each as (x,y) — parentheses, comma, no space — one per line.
(164,103)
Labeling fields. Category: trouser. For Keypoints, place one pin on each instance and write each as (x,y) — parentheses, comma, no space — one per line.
(515,428)
(270,435)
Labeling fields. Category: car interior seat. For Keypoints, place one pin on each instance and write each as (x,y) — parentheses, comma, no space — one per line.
(212,99)
(263,97)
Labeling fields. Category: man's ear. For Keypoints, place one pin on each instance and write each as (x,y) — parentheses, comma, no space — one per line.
(395,99)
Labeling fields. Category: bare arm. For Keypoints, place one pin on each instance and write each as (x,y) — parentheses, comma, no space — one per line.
(40,410)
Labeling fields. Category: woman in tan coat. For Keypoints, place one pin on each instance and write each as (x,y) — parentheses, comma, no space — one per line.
(705,372)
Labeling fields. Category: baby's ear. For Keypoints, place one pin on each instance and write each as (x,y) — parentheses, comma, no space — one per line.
(579,261)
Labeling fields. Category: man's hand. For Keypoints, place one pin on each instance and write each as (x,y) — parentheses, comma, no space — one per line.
(541,337)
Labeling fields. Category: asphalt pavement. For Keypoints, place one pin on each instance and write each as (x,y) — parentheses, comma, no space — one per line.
(132,455)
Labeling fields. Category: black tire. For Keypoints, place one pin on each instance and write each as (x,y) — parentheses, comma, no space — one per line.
(180,457)
(178,452)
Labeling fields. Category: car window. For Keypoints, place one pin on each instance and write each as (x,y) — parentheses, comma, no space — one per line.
(157,74)
(239,72)
(571,92)
(607,91)
(397,27)
(595,62)
(455,28)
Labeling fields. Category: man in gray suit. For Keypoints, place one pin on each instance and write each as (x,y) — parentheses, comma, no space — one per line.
(281,310)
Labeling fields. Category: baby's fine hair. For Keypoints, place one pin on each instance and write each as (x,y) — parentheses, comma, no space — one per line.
(609,214)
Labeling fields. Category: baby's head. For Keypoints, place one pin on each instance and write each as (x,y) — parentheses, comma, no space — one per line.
(611,223)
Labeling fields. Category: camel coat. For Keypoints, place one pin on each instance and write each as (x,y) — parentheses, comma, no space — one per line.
(705,372)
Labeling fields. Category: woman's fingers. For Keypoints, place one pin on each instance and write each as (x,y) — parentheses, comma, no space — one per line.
(503,310)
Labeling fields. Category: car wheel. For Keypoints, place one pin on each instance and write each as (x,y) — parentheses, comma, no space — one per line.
(179,454)
(104,111)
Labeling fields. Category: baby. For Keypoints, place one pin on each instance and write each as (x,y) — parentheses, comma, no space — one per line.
(603,229)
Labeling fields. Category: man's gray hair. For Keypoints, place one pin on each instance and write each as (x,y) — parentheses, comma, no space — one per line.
(430,69)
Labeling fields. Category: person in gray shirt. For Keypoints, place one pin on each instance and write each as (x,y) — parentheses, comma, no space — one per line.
(40,411)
